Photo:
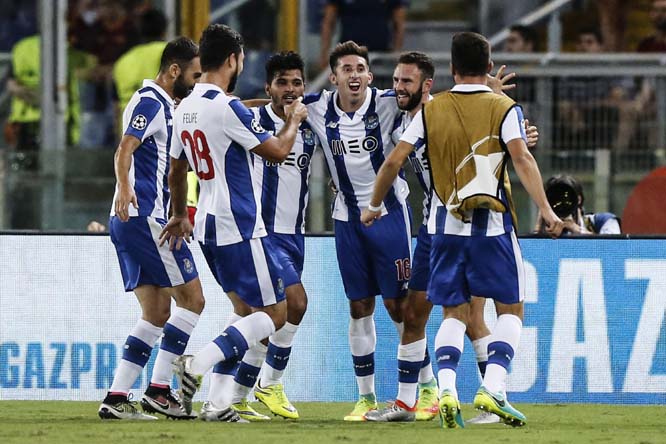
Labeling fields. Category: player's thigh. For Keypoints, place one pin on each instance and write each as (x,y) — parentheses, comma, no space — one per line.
(354,261)
(421,261)
(448,284)
(390,240)
(287,253)
(251,270)
(495,269)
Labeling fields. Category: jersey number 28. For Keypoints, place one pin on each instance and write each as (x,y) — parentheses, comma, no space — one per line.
(203,164)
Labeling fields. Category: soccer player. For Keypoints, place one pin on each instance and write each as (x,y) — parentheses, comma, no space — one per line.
(412,82)
(474,248)
(217,136)
(138,214)
(284,198)
(354,126)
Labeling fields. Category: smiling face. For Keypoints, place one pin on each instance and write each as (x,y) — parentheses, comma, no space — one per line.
(285,87)
(409,86)
(351,77)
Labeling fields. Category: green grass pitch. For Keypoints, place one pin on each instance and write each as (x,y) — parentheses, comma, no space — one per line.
(57,422)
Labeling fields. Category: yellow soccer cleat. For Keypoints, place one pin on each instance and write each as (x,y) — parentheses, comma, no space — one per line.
(449,411)
(363,406)
(427,406)
(498,404)
(245,411)
(276,400)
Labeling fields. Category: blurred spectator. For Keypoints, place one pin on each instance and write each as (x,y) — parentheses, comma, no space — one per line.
(142,61)
(377,24)
(566,198)
(521,39)
(17,20)
(613,22)
(657,41)
(595,111)
(95,227)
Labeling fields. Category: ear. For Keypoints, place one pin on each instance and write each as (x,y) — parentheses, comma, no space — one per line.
(333,78)
(370,77)
(174,70)
(267,89)
(233,61)
(453,72)
(491,65)
(427,86)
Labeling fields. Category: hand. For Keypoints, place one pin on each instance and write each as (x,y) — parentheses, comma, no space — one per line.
(368,217)
(95,227)
(126,196)
(532,134)
(553,224)
(498,83)
(296,110)
(177,229)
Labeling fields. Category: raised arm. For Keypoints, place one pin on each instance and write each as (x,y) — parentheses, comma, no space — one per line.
(276,149)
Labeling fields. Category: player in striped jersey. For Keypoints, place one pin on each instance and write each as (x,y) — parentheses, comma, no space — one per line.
(218,136)
(284,197)
(354,126)
(474,248)
(138,214)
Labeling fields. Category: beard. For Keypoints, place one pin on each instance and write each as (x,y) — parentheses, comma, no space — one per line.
(232,82)
(180,88)
(413,102)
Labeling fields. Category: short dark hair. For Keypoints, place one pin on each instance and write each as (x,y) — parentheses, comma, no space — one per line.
(217,43)
(422,61)
(594,31)
(470,54)
(153,25)
(283,61)
(527,33)
(347,48)
(180,51)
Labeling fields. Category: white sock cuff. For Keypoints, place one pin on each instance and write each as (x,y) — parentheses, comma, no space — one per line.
(256,355)
(255,327)
(362,326)
(233,318)
(451,333)
(481,348)
(183,319)
(284,337)
(511,318)
(414,352)
(508,329)
(146,332)
(362,336)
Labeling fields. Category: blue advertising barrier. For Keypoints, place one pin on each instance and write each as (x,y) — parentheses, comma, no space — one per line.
(593,332)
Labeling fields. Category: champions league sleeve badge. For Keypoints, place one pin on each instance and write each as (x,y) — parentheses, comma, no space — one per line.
(256,127)
(371,121)
(139,122)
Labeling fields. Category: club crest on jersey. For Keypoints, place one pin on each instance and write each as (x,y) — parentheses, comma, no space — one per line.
(256,127)
(139,122)
(371,122)
(308,136)
(188,266)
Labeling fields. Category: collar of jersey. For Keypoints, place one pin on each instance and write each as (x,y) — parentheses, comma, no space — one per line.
(468,87)
(203,87)
(271,113)
(359,112)
(158,88)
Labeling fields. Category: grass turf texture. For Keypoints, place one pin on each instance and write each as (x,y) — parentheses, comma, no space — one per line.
(56,422)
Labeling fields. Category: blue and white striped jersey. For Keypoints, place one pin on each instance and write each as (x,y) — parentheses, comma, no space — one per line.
(418,159)
(148,117)
(216,133)
(484,222)
(355,145)
(284,186)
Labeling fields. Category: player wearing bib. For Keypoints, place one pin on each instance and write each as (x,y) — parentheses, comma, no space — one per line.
(284,196)
(354,126)
(217,136)
(152,272)
(474,248)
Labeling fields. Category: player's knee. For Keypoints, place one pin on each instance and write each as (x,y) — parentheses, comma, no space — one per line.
(296,309)
(394,307)
(362,308)
(413,321)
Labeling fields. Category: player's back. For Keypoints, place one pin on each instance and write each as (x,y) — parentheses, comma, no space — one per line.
(216,133)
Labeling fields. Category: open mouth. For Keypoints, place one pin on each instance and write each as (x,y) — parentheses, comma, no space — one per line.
(402,96)
(288,99)
(355,86)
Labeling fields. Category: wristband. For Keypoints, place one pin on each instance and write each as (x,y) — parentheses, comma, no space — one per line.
(373,208)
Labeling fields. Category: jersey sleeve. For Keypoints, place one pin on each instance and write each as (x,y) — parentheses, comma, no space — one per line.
(144,121)
(414,134)
(513,126)
(243,127)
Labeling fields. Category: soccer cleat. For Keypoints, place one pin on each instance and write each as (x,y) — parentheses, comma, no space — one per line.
(124,409)
(498,404)
(363,405)
(397,412)
(427,406)
(245,411)
(276,400)
(211,413)
(450,415)
(188,382)
(165,402)
(484,418)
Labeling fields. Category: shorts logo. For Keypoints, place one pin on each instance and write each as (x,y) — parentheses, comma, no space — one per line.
(371,122)
(256,127)
(280,286)
(139,122)
(189,267)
